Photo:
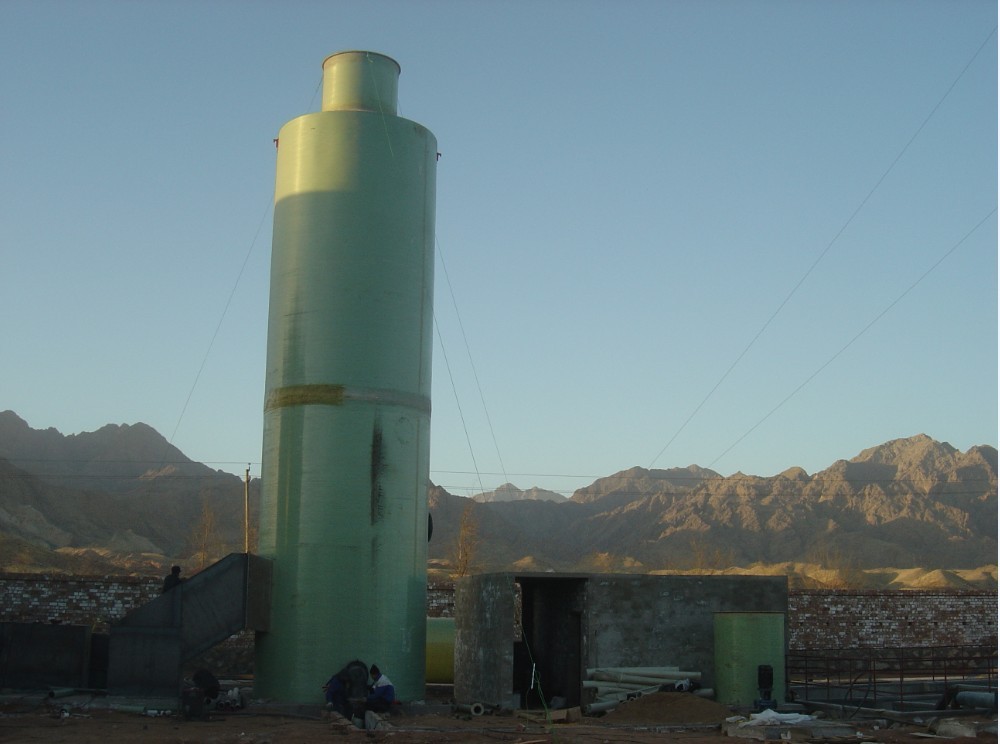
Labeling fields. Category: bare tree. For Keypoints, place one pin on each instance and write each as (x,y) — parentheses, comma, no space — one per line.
(847,567)
(709,557)
(463,558)
(206,540)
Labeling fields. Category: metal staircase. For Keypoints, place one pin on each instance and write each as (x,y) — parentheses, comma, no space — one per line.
(149,646)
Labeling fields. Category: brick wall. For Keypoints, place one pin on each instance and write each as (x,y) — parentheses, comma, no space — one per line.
(888,619)
(74,600)
(816,619)
(440,599)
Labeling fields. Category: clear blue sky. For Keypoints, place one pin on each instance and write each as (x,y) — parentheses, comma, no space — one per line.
(630,196)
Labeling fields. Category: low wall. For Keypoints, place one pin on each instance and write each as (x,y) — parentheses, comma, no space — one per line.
(96,601)
(816,619)
(890,619)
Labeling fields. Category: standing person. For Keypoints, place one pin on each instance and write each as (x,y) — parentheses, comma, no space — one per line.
(382,693)
(174,579)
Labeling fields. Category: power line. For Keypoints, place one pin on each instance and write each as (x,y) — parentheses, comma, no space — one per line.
(104,461)
(736,477)
(458,403)
(826,250)
(222,317)
(904,488)
(468,351)
(232,293)
(319,84)
(858,335)
(987,484)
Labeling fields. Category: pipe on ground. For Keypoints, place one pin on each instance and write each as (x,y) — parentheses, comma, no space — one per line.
(967,699)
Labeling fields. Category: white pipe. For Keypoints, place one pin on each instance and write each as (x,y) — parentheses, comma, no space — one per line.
(617,698)
(610,676)
(602,706)
(645,671)
(969,699)
(623,686)
(606,690)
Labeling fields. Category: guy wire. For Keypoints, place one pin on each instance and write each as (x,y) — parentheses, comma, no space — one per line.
(829,245)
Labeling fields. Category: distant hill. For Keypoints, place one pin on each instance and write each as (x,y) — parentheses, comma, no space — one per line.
(112,459)
(909,503)
(122,498)
(122,489)
(510,492)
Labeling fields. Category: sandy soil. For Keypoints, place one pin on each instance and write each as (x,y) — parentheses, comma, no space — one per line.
(654,718)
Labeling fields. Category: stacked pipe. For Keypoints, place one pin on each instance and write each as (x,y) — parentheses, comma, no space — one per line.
(615,685)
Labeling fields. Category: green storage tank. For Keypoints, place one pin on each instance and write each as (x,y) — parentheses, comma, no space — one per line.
(441,650)
(347,392)
(745,641)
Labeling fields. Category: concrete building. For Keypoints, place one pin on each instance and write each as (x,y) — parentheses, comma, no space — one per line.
(524,638)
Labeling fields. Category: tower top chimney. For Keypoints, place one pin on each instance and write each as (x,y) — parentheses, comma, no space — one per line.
(360,81)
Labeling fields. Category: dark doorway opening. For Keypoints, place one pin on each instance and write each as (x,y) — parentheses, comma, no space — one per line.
(549,641)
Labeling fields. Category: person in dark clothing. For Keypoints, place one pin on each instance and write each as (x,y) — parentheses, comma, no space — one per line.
(382,693)
(348,685)
(207,683)
(174,579)
(336,697)
(198,693)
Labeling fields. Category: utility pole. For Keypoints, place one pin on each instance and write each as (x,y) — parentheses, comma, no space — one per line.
(246,511)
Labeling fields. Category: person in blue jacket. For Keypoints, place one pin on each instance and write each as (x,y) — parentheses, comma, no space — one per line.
(345,687)
(382,693)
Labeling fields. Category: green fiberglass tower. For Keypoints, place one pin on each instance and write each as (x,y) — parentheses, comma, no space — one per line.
(347,394)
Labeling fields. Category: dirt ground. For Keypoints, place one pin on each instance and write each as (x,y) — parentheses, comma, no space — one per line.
(660,717)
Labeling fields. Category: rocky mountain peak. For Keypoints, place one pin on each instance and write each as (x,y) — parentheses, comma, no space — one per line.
(795,474)
(638,481)
(918,451)
(109,459)
(911,502)
(510,492)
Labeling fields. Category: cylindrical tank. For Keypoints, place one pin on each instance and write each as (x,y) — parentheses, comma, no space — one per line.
(441,650)
(745,641)
(347,392)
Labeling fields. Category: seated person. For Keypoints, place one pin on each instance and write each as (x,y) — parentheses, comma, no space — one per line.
(336,696)
(382,694)
(350,683)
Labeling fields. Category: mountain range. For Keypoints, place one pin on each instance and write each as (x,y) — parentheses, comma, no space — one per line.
(122,498)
